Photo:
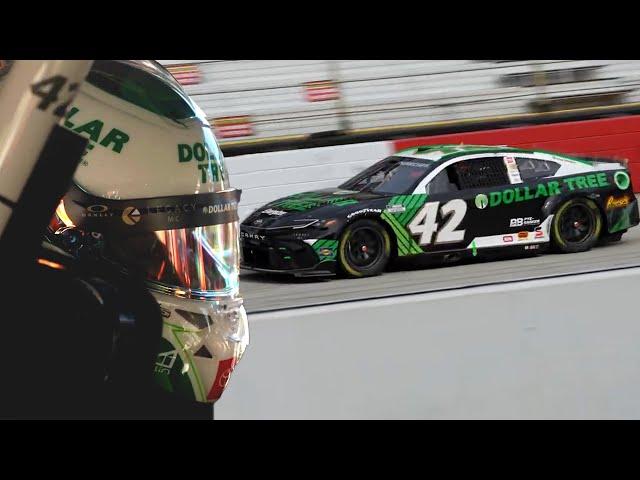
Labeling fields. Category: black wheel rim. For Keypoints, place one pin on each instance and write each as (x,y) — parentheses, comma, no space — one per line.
(364,247)
(576,224)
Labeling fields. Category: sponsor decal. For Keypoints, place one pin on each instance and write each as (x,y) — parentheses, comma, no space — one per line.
(364,210)
(325,249)
(114,139)
(531,247)
(96,211)
(259,221)
(523,235)
(621,180)
(131,215)
(271,211)
(415,164)
(306,201)
(523,221)
(507,239)
(220,208)
(621,202)
(512,170)
(204,160)
(482,201)
(253,236)
(225,367)
(320,91)
(547,189)
(395,209)
(539,234)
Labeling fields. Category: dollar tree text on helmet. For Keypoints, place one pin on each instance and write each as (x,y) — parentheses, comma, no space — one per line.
(114,139)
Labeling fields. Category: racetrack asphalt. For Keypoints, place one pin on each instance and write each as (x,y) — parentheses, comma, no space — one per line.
(263,292)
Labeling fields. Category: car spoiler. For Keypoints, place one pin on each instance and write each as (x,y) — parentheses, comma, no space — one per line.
(621,161)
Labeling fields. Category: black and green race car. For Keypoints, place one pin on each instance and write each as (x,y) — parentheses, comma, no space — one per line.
(446,201)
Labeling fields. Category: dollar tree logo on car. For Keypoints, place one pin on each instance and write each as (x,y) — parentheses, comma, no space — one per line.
(482,201)
(547,189)
(622,180)
(199,153)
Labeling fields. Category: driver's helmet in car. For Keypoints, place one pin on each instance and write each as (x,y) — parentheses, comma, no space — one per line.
(152,197)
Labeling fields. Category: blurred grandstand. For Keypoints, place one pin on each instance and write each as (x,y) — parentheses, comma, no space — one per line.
(262,105)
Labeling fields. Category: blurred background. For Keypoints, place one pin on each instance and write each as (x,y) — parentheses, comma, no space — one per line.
(280,102)
(288,126)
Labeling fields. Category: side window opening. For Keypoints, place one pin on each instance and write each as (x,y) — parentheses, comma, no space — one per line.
(479,173)
(534,168)
(442,183)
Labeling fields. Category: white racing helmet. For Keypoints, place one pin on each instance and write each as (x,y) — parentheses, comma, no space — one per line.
(152,196)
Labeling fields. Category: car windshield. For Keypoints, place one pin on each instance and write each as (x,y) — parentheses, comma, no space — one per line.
(397,175)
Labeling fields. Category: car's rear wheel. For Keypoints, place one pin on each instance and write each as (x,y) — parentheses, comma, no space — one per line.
(364,249)
(576,225)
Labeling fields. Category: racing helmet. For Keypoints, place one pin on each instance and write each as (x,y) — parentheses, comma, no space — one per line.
(152,196)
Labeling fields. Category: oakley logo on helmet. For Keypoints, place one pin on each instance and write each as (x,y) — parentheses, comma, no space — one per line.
(131,215)
(97,211)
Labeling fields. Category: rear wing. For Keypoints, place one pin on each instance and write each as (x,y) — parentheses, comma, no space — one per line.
(621,161)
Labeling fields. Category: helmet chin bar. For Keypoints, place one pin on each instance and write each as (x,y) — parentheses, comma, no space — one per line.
(202,343)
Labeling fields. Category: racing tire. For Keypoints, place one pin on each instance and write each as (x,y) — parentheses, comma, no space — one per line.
(576,226)
(364,249)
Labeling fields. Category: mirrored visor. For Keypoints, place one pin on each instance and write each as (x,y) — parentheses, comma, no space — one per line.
(198,262)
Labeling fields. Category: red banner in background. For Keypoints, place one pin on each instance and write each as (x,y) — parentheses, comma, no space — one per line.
(231,127)
(320,91)
(185,74)
(615,138)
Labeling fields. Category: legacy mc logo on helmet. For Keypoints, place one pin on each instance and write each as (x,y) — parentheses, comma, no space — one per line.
(131,215)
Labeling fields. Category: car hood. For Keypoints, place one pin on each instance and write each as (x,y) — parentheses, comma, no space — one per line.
(318,204)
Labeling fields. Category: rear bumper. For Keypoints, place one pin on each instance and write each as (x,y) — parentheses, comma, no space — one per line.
(620,219)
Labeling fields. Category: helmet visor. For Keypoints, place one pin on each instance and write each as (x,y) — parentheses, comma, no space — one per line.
(197,262)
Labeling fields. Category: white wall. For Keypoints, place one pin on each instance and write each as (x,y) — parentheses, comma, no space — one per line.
(264,177)
(561,348)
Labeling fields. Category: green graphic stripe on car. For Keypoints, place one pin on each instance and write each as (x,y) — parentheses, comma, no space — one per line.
(412,208)
(625,220)
(331,245)
(306,201)
(411,203)
(406,244)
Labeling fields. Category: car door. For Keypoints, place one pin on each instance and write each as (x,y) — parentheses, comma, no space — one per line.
(456,212)
(525,212)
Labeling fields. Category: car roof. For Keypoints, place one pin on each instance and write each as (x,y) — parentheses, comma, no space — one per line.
(440,153)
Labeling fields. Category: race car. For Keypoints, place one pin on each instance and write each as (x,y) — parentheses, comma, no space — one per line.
(447,201)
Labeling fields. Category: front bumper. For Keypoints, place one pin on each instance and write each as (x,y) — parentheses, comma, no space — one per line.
(284,255)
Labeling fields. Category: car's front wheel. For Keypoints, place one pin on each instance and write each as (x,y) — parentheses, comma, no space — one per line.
(364,249)
(576,225)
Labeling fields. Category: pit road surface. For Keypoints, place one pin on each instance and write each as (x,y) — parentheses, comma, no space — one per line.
(263,292)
